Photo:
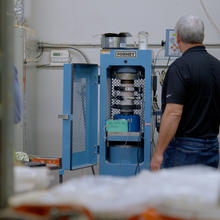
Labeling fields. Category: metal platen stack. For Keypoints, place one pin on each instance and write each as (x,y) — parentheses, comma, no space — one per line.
(127,90)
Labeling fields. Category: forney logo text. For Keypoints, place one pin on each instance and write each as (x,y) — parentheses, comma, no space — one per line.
(128,54)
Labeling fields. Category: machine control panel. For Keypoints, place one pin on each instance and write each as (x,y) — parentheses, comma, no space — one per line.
(171,46)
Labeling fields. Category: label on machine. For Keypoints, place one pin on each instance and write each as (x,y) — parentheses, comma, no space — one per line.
(105,52)
(127,54)
(117,125)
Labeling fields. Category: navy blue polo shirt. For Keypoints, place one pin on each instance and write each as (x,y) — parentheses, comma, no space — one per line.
(193,80)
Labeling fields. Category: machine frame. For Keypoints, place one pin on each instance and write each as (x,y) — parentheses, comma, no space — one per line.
(142,58)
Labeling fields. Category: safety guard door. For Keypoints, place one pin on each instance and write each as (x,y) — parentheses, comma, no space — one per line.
(80,116)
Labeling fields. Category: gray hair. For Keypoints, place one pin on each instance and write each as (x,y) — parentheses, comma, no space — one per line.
(190,29)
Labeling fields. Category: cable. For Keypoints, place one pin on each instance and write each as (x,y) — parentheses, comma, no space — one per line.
(167,64)
(209,17)
(163,72)
(45,65)
(41,53)
(155,60)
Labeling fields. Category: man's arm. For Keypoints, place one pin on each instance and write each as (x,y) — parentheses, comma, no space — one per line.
(169,124)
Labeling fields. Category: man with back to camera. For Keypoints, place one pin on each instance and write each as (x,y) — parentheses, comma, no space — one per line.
(190,103)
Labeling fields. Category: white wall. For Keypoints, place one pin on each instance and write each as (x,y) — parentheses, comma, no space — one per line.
(79,21)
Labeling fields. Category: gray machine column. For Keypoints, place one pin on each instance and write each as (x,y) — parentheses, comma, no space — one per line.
(6,101)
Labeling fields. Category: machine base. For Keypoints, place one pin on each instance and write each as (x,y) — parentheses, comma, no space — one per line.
(125,154)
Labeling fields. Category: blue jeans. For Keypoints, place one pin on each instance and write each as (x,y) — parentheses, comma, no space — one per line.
(191,151)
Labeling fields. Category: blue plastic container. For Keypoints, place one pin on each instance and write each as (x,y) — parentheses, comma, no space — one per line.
(133,121)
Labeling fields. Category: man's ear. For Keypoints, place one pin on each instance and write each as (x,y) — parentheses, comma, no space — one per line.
(178,38)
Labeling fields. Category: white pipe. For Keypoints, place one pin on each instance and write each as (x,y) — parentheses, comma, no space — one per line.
(43,44)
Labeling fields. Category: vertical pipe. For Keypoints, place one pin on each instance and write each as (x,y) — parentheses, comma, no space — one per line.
(19,11)
(6,101)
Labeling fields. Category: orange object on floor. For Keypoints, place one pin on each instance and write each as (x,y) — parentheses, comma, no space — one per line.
(46,160)
(152,214)
(62,210)
(149,214)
